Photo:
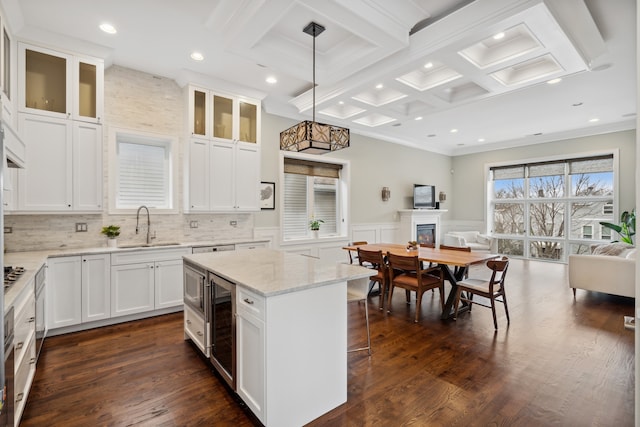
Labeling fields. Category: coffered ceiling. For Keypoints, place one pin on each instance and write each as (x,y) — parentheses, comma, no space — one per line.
(449,76)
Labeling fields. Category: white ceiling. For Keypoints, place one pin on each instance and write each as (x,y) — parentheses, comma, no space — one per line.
(486,89)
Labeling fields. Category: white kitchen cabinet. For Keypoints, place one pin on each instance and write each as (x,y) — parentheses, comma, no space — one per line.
(64,171)
(223,116)
(79,290)
(251,245)
(146,280)
(61,85)
(223,176)
(168,284)
(250,351)
(96,287)
(64,293)
(132,287)
(24,348)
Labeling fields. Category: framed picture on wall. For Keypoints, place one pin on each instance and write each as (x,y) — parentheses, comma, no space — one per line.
(267,195)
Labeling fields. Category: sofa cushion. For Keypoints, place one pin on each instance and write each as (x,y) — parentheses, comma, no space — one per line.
(612,249)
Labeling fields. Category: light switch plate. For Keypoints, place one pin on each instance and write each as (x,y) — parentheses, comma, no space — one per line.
(193,224)
(8,230)
(81,227)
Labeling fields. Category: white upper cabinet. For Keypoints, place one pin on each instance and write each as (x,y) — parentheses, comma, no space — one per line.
(224,117)
(60,85)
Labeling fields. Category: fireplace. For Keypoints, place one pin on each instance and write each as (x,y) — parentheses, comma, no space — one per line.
(426,234)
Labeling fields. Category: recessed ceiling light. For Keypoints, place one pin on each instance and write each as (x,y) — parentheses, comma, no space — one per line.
(418,118)
(108,28)
(271,80)
(197,56)
(454,130)
(480,139)
(554,81)
(379,86)
(593,120)
(428,65)
(341,102)
(498,36)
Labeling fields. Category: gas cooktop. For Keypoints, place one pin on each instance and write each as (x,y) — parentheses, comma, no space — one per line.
(11,275)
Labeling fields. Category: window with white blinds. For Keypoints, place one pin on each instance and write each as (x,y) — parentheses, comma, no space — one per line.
(311,191)
(143,173)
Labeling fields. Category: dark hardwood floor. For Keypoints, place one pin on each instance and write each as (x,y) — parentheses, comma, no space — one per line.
(561,362)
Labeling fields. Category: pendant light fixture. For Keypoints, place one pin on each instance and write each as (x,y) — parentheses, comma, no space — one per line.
(310,136)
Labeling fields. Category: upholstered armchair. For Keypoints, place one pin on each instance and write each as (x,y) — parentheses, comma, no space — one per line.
(471,239)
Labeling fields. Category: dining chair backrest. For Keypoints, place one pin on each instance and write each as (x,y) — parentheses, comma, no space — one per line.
(373,258)
(402,263)
(351,257)
(499,271)
(456,248)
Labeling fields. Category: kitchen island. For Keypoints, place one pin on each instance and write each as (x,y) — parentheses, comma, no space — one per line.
(291,330)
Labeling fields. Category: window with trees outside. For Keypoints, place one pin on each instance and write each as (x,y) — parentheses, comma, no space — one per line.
(312,190)
(547,210)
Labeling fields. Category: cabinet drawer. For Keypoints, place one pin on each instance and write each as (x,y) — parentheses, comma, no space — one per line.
(196,329)
(148,255)
(24,327)
(23,371)
(251,245)
(250,302)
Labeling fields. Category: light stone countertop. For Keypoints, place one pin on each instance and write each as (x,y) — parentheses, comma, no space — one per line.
(270,272)
(33,260)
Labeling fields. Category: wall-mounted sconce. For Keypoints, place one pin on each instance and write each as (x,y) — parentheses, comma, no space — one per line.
(442,197)
(386,194)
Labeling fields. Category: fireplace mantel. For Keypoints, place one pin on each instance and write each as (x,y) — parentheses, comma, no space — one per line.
(411,218)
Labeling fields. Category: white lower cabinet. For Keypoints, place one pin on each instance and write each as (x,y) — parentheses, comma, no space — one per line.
(96,286)
(78,290)
(64,296)
(250,350)
(146,280)
(24,348)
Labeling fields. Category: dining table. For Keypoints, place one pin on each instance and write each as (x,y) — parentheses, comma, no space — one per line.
(444,258)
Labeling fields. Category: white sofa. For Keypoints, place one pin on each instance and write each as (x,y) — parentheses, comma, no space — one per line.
(471,239)
(612,273)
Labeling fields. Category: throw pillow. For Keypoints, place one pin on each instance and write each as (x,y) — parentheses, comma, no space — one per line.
(611,249)
(483,239)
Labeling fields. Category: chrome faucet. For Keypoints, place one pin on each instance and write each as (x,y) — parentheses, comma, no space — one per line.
(148,223)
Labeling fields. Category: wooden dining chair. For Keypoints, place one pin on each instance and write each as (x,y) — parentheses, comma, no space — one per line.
(375,260)
(490,289)
(407,272)
(353,258)
(456,269)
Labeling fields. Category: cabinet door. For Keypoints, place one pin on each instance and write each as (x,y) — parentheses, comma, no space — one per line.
(88,89)
(132,289)
(168,284)
(223,117)
(198,176)
(87,167)
(247,177)
(96,287)
(46,184)
(222,166)
(199,110)
(45,81)
(250,356)
(248,126)
(64,302)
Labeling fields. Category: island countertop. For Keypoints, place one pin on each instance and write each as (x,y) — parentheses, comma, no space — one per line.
(270,272)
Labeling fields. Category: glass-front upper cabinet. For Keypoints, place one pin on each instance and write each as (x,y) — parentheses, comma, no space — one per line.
(224,117)
(60,85)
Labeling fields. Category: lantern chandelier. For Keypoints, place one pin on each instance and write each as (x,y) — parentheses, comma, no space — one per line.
(310,136)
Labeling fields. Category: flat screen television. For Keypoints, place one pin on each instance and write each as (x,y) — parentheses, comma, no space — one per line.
(424,196)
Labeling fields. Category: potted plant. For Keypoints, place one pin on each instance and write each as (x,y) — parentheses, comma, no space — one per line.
(314,225)
(627,227)
(111,231)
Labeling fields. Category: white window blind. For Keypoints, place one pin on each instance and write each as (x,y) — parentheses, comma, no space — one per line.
(324,204)
(143,175)
(296,216)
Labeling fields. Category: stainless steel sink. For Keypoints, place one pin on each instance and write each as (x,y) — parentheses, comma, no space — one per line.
(149,245)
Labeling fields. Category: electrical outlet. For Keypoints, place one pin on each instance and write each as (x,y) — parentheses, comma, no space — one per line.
(81,227)
(233,223)
(8,230)
(193,224)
